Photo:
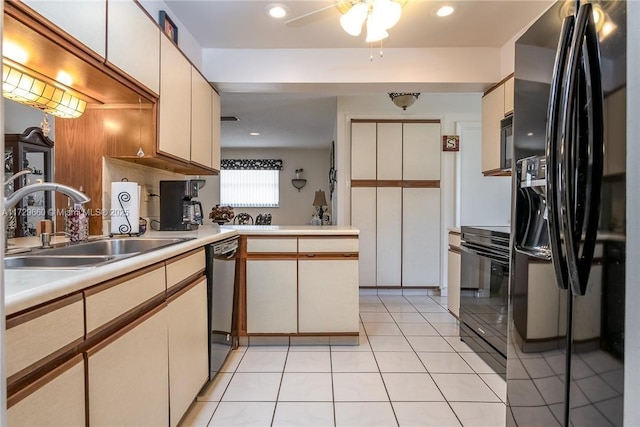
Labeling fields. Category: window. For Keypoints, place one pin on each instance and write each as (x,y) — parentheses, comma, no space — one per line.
(250,183)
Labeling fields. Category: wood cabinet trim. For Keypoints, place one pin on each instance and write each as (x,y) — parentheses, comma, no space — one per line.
(123,320)
(271,255)
(31,388)
(497,172)
(320,256)
(25,316)
(189,282)
(195,281)
(121,279)
(102,343)
(353,236)
(497,85)
(373,183)
(455,233)
(454,249)
(27,375)
(184,255)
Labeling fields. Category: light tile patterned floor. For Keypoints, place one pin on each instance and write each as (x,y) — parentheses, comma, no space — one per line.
(410,369)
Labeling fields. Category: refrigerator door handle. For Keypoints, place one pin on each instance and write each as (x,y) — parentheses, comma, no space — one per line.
(583,165)
(554,150)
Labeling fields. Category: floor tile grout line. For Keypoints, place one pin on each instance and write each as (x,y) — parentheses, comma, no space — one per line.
(227,386)
(284,366)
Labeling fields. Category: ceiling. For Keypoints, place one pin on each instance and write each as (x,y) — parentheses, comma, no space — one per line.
(307,120)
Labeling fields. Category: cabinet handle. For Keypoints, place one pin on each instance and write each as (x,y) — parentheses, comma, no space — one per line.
(310,255)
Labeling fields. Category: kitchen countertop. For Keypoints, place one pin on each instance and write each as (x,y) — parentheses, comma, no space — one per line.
(26,288)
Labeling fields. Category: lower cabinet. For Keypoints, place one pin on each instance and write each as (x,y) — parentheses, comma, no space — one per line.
(56,399)
(272,305)
(127,375)
(327,297)
(188,347)
(453,282)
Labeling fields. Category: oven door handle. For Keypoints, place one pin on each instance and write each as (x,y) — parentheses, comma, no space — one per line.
(485,254)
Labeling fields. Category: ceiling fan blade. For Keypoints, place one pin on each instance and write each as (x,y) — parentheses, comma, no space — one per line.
(297,18)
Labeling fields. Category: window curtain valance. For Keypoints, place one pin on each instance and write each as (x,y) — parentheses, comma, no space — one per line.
(251,164)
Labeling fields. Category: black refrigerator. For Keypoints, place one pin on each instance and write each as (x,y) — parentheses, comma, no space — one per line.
(565,357)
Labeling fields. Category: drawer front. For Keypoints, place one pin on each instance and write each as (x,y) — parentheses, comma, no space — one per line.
(183,268)
(454,240)
(107,304)
(272,245)
(31,340)
(335,245)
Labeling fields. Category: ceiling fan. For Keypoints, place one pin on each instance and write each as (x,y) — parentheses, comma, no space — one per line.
(379,15)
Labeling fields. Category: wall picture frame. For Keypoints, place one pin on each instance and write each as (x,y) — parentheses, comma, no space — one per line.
(450,143)
(168,26)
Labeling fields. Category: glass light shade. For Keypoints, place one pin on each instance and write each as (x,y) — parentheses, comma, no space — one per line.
(375,31)
(404,100)
(386,13)
(28,90)
(352,21)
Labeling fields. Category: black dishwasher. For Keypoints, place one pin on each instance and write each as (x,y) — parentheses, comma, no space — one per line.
(222,297)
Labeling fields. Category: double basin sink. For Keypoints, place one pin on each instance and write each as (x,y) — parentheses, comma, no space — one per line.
(88,254)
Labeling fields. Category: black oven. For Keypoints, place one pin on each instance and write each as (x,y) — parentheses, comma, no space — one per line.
(484,279)
(506,142)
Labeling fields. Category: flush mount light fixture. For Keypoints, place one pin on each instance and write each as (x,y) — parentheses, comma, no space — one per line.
(254,133)
(404,100)
(21,86)
(277,10)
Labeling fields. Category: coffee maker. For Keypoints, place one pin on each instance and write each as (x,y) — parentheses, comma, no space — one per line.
(178,212)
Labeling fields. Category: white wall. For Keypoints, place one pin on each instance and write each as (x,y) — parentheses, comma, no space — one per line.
(295,207)
(483,200)
(18,117)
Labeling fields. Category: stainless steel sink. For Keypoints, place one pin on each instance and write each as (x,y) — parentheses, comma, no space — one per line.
(112,247)
(88,254)
(55,262)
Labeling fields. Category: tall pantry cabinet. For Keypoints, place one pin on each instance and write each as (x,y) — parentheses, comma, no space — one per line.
(395,201)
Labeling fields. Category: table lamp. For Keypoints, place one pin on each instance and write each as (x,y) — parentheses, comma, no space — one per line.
(319,201)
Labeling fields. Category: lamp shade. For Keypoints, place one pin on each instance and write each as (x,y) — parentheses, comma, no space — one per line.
(320,199)
(352,21)
(404,100)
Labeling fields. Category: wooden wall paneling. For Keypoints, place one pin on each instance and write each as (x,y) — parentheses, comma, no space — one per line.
(130,127)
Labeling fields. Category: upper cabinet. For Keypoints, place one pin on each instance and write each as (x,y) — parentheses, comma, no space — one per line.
(497,103)
(201,114)
(90,30)
(133,43)
(174,136)
(215,132)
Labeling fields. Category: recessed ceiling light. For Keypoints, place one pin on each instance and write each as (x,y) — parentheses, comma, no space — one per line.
(277,11)
(444,11)
(254,133)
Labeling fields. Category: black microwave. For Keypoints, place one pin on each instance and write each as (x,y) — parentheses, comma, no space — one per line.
(506,142)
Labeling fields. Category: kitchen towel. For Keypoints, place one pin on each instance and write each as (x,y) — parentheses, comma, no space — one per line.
(125,208)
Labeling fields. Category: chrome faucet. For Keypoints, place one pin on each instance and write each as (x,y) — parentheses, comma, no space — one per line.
(77,196)
(16,175)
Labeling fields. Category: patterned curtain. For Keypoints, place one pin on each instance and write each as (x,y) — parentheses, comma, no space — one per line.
(251,164)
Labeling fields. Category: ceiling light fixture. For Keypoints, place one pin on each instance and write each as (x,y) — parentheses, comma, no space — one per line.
(277,10)
(445,11)
(404,100)
(22,87)
(380,15)
(254,133)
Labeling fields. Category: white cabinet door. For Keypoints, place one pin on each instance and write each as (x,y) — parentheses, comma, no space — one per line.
(389,236)
(363,151)
(201,116)
(272,298)
(328,295)
(215,130)
(421,237)
(421,151)
(389,159)
(453,282)
(363,217)
(188,347)
(174,135)
(508,96)
(90,30)
(128,382)
(133,42)
(492,113)
(57,399)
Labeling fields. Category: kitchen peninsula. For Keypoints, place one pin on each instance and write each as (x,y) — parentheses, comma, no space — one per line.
(126,342)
